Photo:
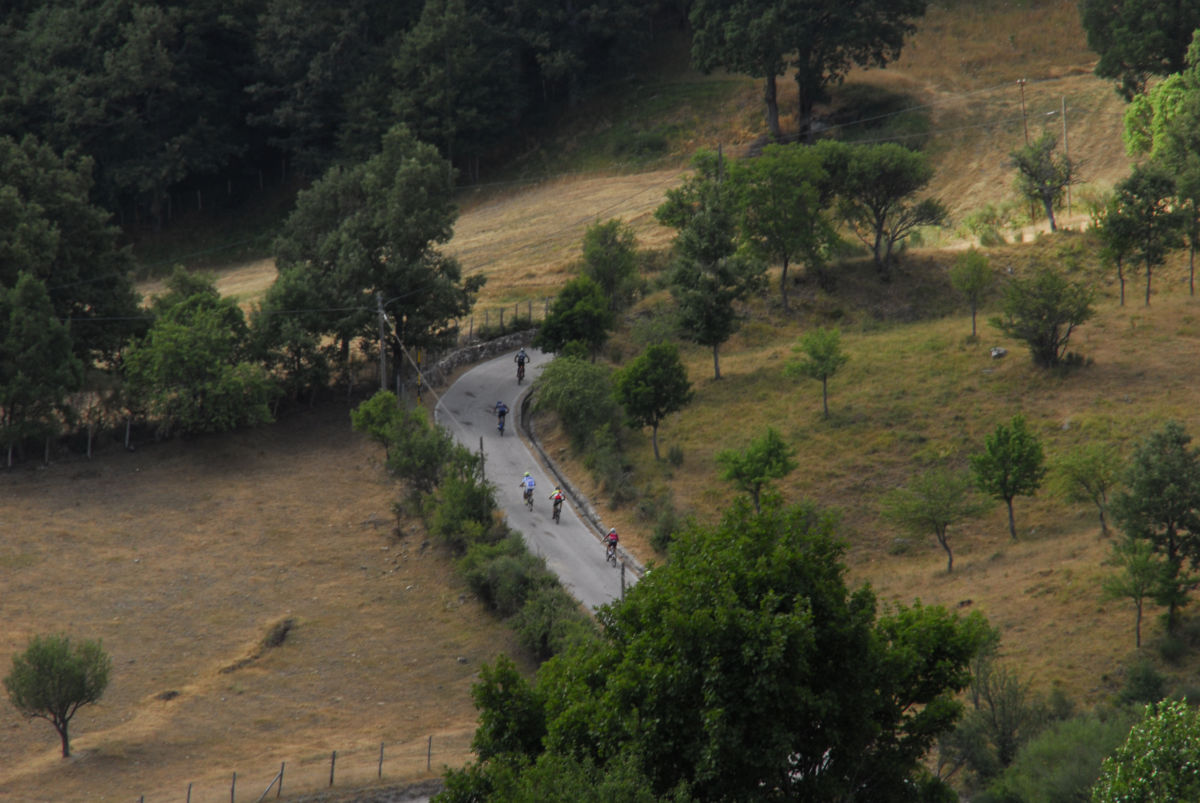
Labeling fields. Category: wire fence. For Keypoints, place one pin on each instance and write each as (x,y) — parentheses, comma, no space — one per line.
(350,769)
(490,322)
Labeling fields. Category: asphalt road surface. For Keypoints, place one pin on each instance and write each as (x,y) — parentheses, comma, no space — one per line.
(572,548)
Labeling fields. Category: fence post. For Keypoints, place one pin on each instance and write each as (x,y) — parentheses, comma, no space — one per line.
(429,754)
(233,789)
(189,794)
(279,789)
(380,775)
(332,761)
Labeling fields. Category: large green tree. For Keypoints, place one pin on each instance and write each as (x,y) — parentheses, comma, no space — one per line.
(711,275)
(371,231)
(1161,505)
(37,367)
(876,187)
(1011,464)
(1138,39)
(53,678)
(50,230)
(746,669)
(1159,762)
(610,260)
(653,386)
(781,198)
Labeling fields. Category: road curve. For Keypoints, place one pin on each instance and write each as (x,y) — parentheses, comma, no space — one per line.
(572,549)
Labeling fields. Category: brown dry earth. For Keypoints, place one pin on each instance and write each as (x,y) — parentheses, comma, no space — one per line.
(179,557)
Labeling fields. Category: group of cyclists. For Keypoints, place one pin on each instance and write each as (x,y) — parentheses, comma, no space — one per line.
(528,484)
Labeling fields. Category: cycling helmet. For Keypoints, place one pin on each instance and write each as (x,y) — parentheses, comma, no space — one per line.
(526,473)
(612,530)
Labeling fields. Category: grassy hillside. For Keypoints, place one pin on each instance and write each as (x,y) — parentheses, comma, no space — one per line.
(221,538)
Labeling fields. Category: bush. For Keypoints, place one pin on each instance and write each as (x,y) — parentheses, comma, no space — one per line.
(460,513)
(580,394)
(551,621)
(675,456)
(668,524)
(504,574)
(1143,684)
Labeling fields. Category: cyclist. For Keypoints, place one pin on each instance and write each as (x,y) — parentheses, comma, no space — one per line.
(520,359)
(610,544)
(557,499)
(527,484)
(501,411)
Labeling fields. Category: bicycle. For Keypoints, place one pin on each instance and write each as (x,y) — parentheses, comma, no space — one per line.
(556,513)
(610,553)
(529,498)
(520,372)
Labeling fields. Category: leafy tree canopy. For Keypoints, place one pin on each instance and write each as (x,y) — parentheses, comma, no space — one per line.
(765,458)
(709,677)
(1137,39)
(653,386)
(580,313)
(1011,464)
(1043,310)
(1159,761)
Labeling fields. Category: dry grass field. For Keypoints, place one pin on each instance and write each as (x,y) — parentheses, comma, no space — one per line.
(182,555)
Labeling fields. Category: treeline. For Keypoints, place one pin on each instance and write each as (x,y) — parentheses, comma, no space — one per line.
(164,95)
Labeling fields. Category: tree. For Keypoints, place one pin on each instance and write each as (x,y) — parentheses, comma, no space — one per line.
(875,185)
(37,367)
(653,386)
(581,395)
(1159,762)
(581,314)
(454,83)
(1118,226)
(610,260)
(1161,505)
(1140,574)
(511,713)
(379,418)
(823,348)
(192,371)
(972,276)
(710,674)
(1136,39)
(1146,199)
(933,501)
(764,459)
(1043,310)
(1088,474)
(1042,176)
(781,200)
(710,276)
(53,678)
(374,228)
(53,232)
(1011,464)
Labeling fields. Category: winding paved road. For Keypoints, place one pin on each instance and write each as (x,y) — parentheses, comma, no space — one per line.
(572,548)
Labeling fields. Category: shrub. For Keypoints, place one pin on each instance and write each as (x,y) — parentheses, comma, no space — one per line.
(504,574)
(1143,684)
(675,456)
(460,513)
(580,393)
(668,524)
(551,621)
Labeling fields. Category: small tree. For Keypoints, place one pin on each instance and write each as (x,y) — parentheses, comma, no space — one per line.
(972,277)
(823,347)
(1012,464)
(379,418)
(1043,311)
(581,314)
(765,459)
(932,502)
(652,387)
(610,260)
(581,395)
(1140,574)
(1161,505)
(53,678)
(1043,176)
(1088,474)
(1118,227)
(1147,198)
(1159,762)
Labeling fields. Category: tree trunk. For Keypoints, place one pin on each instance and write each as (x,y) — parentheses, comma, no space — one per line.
(1048,203)
(783,285)
(1137,626)
(1192,268)
(825,395)
(770,97)
(654,440)
(945,542)
(61,727)
(1012,525)
(1148,271)
(716,363)
(973,308)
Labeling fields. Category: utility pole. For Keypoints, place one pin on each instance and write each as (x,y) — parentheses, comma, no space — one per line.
(1024,121)
(1066,151)
(382,341)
